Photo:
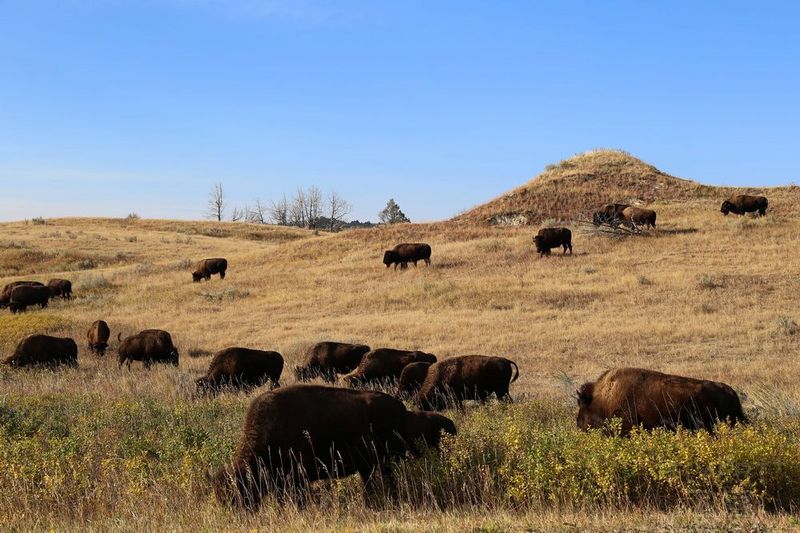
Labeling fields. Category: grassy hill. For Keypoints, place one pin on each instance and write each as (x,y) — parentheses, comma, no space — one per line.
(575,187)
(705,295)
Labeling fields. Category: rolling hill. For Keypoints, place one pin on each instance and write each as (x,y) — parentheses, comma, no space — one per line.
(573,188)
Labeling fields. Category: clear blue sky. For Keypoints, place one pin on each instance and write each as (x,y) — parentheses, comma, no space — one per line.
(114,106)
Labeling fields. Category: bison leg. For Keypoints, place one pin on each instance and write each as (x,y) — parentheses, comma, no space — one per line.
(222,274)
(379,486)
(427,262)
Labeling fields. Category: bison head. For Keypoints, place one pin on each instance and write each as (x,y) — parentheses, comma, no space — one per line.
(427,427)
(587,418)
(540,245)
(598,218)
(726,207)
(389,257)
(173,357)
(422,357)
(197,276)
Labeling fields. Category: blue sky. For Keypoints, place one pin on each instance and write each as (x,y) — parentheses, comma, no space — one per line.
(111,106)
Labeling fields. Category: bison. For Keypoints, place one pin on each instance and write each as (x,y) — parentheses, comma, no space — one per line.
(744,203)
(44,350)
(326,359)
(148,346)
(303,433)
(97,337)
(385,364)
(610,214)
(60,287)
(207,267)
(636,216)
(405,253)
(548,238)
(5,296)
(651,399)
(411,379)
(466,377)
(24,295)
(241,368)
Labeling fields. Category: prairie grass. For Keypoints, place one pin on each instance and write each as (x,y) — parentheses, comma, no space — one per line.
(102,448)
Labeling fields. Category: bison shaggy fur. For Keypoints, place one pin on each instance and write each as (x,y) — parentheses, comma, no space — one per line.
(637,216)
(466,377)
(385,364)
(5,295)
(744,203)
(411,379)
(97,337)
(548,238)
(241,368)
(207,267)
(405,253)
(44,350)
(651,399)
(24,295)
(303,433)
(327,359)
(148,346)
(60,287)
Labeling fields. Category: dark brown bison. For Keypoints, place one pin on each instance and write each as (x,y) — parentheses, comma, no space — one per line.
(5,296)
(411,379)
(744,203)
(610,214)
(385,364)
(548,238)
(651,399)
(303,433)
(24,295)
(207,267)
(405,253)
(97,337)
(636,216)
(60,287)
(148,346)
(326,359)
(241,368)
(467,377)
(44,350)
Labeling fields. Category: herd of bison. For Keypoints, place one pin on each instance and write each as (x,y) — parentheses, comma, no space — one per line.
(297,434)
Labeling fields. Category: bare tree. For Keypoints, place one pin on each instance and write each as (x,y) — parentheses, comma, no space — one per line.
(298,209)
(257,214)
(239,214)
(337,209)
(279,212)
(313,206)
(216,203)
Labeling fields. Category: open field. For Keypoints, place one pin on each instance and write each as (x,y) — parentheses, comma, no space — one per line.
(704,295)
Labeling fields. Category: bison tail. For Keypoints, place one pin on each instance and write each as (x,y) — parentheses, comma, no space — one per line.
(516,373)
(119,336)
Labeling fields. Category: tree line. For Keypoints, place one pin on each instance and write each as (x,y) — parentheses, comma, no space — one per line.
(307,208)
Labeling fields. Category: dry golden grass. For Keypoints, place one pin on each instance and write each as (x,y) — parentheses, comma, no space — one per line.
(704,295)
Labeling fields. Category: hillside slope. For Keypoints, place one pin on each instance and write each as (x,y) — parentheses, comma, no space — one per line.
(575,187)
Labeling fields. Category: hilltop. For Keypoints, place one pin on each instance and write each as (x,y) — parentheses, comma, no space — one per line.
(573,188)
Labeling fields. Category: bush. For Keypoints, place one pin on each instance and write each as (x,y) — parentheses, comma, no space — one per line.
(93,282)
(38,221)
(708,282)
(787,325)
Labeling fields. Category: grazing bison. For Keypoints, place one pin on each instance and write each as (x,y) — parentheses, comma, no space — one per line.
(60,287)
(207,267)
(610,214)
(326,359)
(636,216)
(405,253)
(651,399)
(411,379)
(467,377)
(744,203)
(385,364)
(24,295)
(5,296)
(548,238)
(148,346)
(241,368)
(44,350)
(303,433)
(97,337)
